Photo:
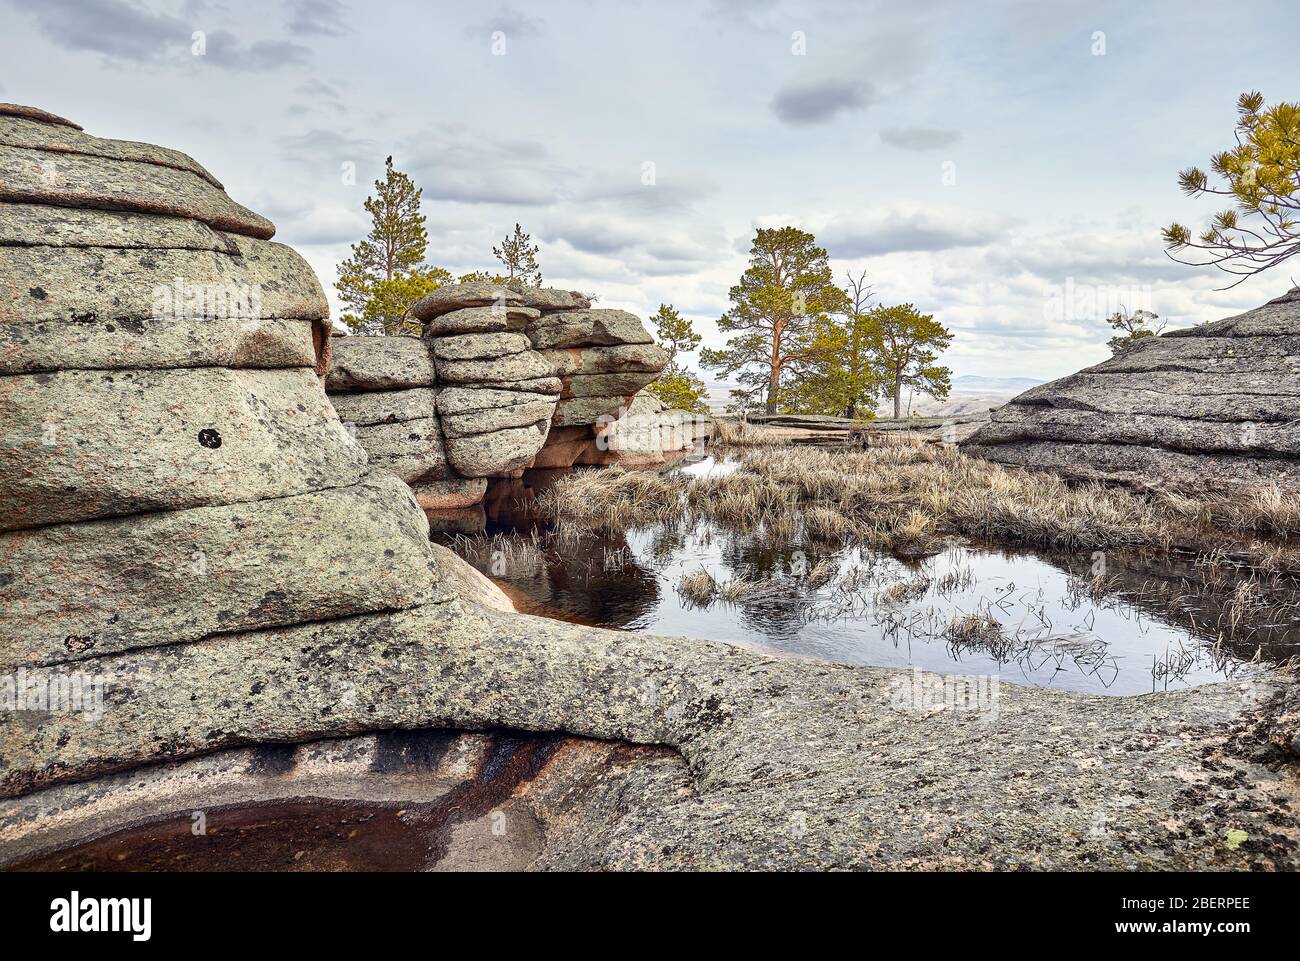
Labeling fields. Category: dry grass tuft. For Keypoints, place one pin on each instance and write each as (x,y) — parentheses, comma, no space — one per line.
(698,587)
(738,433)
(909,496)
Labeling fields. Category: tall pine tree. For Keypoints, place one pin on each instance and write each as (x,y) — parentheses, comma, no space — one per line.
(784,295)
(386,273)
(518,254)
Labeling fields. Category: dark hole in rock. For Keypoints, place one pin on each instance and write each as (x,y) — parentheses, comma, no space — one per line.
(209,437)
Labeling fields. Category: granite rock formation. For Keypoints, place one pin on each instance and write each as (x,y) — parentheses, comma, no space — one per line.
(1211,406)
(266,604)
(170,467)
(497,371)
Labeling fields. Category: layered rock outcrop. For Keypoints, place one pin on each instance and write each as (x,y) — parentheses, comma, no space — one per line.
(170,468)
(1211,406)
(497,371)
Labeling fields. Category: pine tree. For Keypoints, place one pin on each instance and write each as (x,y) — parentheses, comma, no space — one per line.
(386,275)
(839,373)
(784,294)
(518,254)
(904,341)
(678,387)
(1132,327)
(1261,175)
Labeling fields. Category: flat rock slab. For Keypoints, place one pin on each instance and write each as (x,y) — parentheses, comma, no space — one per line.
(460,296)
(453,494)
(481,320)
(411,449)
(78,445)
(1217,404)
(623,358)
(35,135)
(469,400)
(478,346)
(496,454)
(792,763)
(588,328)
(386,406)
(152,344)
(533,412)
(86,284)
(606,385)
(589,410)
(35,113)
(1140,467)
(380,363)
(71,591)
(38,225)
(548,299)
(79,180)
(527,365)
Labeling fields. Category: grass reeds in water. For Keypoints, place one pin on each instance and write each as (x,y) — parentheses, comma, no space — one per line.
(907,497)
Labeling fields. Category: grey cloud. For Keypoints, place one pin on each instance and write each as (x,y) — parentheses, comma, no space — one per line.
(317,17)
(126,31)
(225,50)
(508,20)
(806,103)
(919,138)
(114,28)
(898,230)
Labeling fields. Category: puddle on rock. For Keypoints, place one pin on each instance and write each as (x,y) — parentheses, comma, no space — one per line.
(1033,618)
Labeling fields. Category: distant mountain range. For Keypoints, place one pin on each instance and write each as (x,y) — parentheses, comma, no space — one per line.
(974,384)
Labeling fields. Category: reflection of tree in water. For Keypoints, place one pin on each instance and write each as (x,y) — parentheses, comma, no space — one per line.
(1202,599)
(778,613)
(607,585)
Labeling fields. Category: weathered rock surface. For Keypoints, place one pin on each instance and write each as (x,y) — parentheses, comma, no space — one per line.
(444,300)
(27,347)
(78,445)
(414,450)
(70,591)
(621,358)
(171,468)
(784,763)
(498,453)
(526,365)
(379,363)
(26,225)
(588,328)
(386,406)
(494,393)
(646,434)
(1217,405)
(16,131)
(478,346)
(81,180)
(35,113)
(486,421)
(480,320)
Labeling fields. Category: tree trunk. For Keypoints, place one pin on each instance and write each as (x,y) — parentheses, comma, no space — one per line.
(773,384)
(898,396)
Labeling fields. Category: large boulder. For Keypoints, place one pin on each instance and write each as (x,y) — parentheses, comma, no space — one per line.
(170,467)
(1216,405)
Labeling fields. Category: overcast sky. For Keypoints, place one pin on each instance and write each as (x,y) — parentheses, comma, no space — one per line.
(974,158)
